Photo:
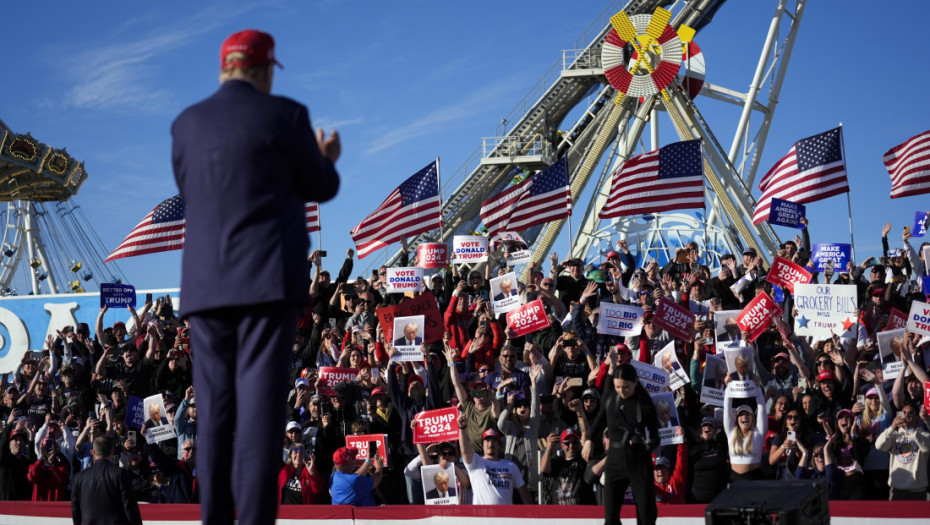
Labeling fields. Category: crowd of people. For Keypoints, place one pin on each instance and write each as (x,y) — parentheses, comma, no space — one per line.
(557,416)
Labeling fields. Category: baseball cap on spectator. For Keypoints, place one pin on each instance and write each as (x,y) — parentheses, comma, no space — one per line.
(845,412)
(871,392)
(293,425)
(591,392)
(257,46)
(750,251)
(781,355)
(622,348)
(413,379)
(344,455)
(491,434)
(378,391)
(82,328)
(612,255)
(878,291)
(170,406)
(119,324)
(745,408)
(193,402)
(598,276)
(569,434)
(475,385)
(662,461)
(301,382)
(128,347)
(316,399)
(708,421)
(574,262)
(11,390)
(18,433)
(826,375)
(111,340)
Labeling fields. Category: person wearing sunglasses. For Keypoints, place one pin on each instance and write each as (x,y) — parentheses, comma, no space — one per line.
(299,483)
(565,474)
(818,462)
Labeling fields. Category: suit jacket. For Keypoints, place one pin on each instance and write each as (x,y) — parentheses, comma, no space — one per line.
(102,494)
(245,163)
(402,341)
(433,494)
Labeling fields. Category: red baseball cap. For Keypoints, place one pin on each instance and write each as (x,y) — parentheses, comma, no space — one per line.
(569,434)
(826,375)
(378,391)
(491,433)
(344,455)
(257,46)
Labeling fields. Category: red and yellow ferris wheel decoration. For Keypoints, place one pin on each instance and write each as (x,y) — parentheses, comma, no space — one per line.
(657,53)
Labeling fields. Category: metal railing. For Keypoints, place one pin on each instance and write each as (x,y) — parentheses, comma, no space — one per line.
(512,146)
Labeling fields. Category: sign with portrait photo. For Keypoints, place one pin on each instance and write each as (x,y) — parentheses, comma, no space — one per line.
(439,485)
(713,382)
(890,346)
(408,336)
(670,432)
(727,332)
(157,426)
(667,360)
(505,293)
(515,248)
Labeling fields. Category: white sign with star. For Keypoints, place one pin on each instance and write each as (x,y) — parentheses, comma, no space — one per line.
(824,308)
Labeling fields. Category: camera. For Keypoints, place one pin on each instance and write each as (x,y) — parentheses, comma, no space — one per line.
(569,340)
(322,253)
(326,408)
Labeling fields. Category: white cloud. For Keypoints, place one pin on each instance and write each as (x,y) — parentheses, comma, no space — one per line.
(123,75)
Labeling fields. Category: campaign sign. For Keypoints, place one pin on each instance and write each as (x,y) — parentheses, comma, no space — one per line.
(838,253)
(823,308)
(896,319)
(653,378)
(400,280)
(439,486)
(134,412)
(669,427)
(505,295)
(619,319)
(786,273)
(757,315)
(515,248)
(741,389)
(925,282)
(117,295)
(927,393)
(469,248)
(434,426)
(157,427)
(330,376)
(667,360)
(361,443)
(424,304)
(408,336)
(432,255)
(674,319)
(786,213)
(918,320)
(926,254)
(728,334)
(890,346)
(714,380)
(527,318)
(920,224)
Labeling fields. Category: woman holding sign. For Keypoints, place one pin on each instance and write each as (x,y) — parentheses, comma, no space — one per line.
(745,436)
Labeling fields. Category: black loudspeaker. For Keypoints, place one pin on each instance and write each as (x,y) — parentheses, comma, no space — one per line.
(800,502)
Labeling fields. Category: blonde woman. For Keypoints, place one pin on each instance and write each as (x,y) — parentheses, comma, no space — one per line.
(746,426)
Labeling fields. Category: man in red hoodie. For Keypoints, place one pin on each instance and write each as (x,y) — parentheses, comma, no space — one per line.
(670,485)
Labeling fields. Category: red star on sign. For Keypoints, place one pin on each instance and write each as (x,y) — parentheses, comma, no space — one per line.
(847,323)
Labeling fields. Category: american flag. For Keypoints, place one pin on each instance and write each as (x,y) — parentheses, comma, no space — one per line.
(813,169)
(414,207)
(162,230)
(539,199)
(909,166)
(312,214)
(669,178)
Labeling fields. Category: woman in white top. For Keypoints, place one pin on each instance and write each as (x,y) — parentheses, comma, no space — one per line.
(745,436)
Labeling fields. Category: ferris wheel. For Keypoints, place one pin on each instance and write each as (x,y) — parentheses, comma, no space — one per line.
(638,63)
(47,244)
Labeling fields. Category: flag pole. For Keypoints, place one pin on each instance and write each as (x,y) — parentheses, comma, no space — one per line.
(439,192)
(852,240)
(319,228)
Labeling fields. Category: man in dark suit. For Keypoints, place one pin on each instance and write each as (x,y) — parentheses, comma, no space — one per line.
(102,494)
(246,162)
(410,336)
(507,290)
(442,490)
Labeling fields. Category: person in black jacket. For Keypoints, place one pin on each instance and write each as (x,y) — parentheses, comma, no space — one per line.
(102,493)
(707,457)
(633,429)
(14,461)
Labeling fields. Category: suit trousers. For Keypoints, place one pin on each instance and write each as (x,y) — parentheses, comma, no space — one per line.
(640,476)
(241,357)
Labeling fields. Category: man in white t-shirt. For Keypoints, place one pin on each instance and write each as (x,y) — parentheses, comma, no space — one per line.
(493,479)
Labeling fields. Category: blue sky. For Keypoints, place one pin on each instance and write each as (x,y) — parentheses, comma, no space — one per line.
(405,82)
